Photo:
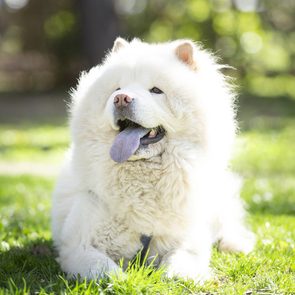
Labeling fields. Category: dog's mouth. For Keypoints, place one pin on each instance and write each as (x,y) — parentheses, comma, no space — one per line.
(153,135)
(131,137)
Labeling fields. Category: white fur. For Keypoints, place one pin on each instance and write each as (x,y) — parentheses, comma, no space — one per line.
(179,190)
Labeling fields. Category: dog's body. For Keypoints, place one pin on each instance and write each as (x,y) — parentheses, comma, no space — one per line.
(164,176)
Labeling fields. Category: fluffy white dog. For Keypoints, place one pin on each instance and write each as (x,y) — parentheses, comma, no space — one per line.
(152,130)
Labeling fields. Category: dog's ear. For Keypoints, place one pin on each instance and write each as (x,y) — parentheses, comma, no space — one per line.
(119,43)
(185,52)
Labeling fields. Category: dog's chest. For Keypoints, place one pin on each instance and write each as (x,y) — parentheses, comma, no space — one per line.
(152,201)
(119,235)
(142,202)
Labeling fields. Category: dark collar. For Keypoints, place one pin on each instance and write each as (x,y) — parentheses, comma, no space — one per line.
(142,253)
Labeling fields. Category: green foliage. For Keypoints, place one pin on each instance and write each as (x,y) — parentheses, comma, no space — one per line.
(257,40)
(60,24)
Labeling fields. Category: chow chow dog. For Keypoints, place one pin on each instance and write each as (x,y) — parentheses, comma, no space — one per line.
(152,130)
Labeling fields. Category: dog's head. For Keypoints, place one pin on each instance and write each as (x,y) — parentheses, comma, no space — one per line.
(146,97)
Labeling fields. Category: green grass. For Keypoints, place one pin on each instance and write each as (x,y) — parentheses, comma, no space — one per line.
(32,142)
(265,157)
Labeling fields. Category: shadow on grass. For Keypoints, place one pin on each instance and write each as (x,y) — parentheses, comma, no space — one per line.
(252,109)
(277,207)
(31,267)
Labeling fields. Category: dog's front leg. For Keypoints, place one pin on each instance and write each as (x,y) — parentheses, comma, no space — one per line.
(74,235)
(86,262)
(190,260)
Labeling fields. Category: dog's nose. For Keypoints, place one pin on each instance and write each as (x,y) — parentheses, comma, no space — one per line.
(122,100)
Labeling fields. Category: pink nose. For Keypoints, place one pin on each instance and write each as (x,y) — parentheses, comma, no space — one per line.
(122,100)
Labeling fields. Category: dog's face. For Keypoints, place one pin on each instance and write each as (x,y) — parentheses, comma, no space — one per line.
(145,97)
(144,108)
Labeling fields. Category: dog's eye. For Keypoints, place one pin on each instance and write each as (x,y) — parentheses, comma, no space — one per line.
(156,90)
(118,88)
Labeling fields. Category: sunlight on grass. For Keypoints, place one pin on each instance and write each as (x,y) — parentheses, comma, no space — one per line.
(266,152)
(25,201)
(44,143)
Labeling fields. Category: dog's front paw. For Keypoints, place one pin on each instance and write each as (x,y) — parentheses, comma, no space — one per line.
(186,265)
(239,241)
(92,266)
(103,268)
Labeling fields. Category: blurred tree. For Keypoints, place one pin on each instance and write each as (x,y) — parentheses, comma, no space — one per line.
(45,44)
(40,45)
(99,26)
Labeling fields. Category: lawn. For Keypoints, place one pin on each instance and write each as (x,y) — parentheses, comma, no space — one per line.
(30,154)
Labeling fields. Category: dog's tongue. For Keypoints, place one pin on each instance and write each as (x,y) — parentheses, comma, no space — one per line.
(126,143)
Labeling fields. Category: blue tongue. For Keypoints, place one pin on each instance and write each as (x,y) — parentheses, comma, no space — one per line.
(126,143)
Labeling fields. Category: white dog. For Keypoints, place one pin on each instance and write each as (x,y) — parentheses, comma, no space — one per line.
(152,130)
